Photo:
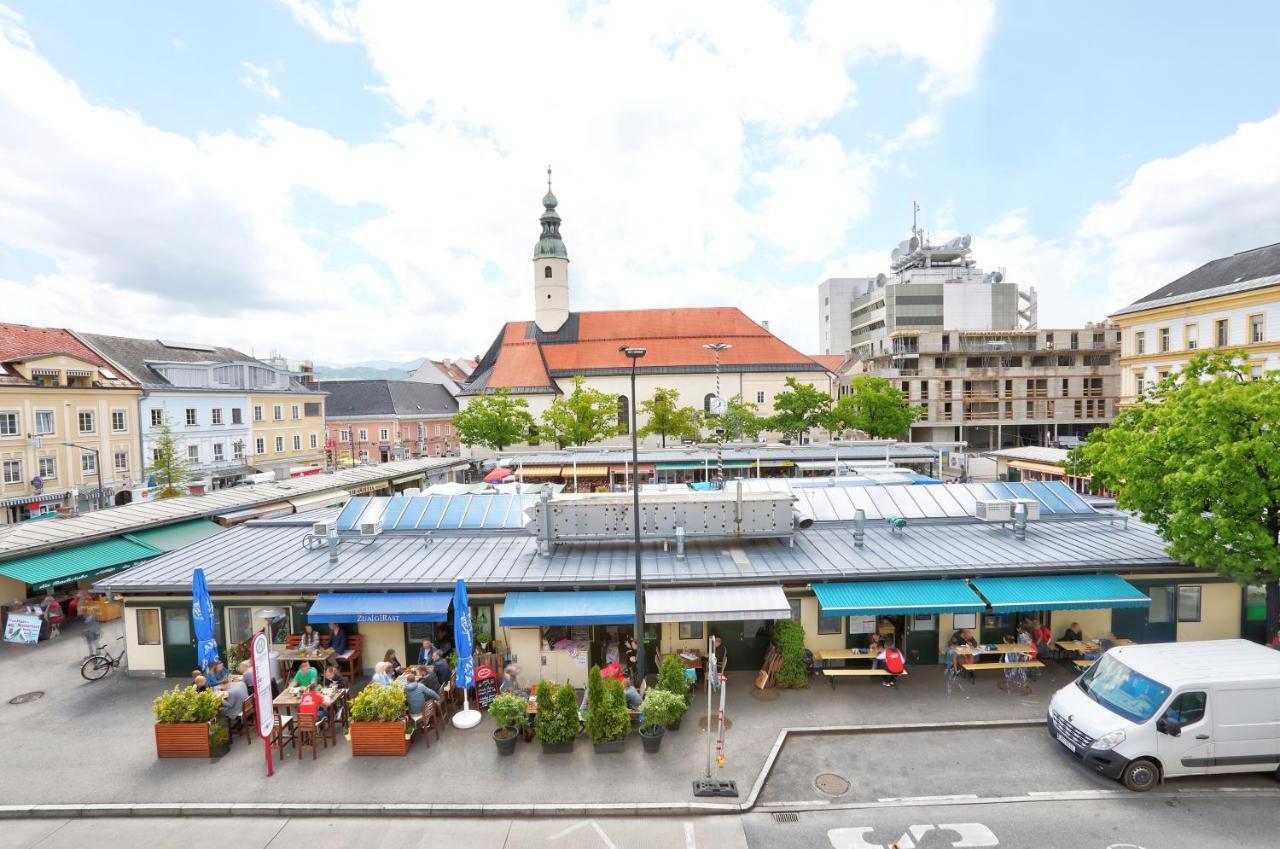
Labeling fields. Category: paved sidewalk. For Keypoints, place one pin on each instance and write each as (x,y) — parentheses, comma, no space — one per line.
(93,743)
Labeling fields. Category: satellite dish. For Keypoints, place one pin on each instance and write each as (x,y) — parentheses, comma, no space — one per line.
(880,278)
(895,256)
(997,277)
(965,240)
(915,243)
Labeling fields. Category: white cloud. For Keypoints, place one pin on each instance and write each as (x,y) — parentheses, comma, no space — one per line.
(258,78)
(329,19)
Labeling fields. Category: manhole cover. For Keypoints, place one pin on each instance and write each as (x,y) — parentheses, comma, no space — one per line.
(831,784)
(768,695)
(27,697)
(702,723)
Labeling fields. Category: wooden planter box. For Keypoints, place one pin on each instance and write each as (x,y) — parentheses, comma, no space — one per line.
(182,740)
(378,738)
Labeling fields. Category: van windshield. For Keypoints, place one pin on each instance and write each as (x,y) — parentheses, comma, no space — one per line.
(1121,690)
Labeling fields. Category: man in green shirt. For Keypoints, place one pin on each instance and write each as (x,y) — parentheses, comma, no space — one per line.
(306,676)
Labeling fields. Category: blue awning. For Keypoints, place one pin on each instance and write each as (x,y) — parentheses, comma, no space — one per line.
(584,608)
(380,607)
(1060,592)
(875,598)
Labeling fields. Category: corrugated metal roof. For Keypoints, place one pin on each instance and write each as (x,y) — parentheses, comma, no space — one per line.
(616,455)
(172,537)
(840,501)
(85,561)
(873,598)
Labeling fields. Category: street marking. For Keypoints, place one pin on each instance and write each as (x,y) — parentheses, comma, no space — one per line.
(689,842)
(969,835)
(951,798)
(609,844)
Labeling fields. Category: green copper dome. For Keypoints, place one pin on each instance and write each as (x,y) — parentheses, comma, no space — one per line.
(550,244)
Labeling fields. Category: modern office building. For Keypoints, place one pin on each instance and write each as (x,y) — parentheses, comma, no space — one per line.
(835,311)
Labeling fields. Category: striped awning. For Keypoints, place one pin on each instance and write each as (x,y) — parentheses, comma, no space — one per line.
(586,471)
(540,472)
(715,604)
(882,598)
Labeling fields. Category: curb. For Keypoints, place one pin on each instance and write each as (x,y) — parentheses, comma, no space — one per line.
(462,809)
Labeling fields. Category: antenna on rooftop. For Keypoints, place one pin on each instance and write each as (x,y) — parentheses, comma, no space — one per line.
(915,219)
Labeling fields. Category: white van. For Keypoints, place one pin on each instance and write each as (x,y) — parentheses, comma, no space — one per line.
(1145,713)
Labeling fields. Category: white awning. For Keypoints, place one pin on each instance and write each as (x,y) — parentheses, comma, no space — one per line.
(332,498)
(715,604)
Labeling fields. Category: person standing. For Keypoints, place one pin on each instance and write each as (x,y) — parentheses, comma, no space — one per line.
(721,654)
(92,633)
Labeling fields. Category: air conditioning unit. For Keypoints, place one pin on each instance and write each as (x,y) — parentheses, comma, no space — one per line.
(323,529)
(1032,505)
(371,529)
(994,510)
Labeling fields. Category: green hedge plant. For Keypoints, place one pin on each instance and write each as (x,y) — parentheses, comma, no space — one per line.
(557,720)
(184,704)
(660,709)
(788,636)
(671,677)
(379,704)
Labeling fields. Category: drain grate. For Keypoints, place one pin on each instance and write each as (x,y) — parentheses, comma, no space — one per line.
(27,697)
(786,816)
(831,784)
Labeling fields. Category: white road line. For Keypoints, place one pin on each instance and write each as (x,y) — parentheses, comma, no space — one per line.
(689,842)
(951,798)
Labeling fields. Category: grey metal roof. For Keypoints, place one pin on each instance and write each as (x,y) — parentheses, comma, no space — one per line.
(356,398)
(271,558)
(1249,269)
(902,452)
(1034,453)
(132,355)
(32,537)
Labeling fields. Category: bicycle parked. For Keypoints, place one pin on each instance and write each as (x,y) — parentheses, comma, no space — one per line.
(100,664)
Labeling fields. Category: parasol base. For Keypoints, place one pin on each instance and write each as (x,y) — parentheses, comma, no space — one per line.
(466,719)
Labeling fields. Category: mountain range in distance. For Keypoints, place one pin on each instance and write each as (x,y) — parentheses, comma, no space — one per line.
(369,370)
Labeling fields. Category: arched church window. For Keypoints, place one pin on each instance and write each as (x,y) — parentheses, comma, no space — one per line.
(624,414)
(546,272)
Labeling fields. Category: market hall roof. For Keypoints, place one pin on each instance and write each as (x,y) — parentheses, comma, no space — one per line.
(1241,272)
(271,558)
(616,456)
(386,399)
(526,359)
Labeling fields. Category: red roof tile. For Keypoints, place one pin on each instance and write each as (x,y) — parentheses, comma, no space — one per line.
(831,362)
(520,364)
(21,340)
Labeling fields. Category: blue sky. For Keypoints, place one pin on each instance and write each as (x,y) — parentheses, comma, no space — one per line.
(360,179)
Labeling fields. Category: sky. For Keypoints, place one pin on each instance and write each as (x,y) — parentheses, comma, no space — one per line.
(354,180)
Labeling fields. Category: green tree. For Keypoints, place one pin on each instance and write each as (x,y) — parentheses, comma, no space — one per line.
(874,407)
(581,417)
(667,418)
(495,420)
(1199,458)
(169,464)
(740,420)
(799,409)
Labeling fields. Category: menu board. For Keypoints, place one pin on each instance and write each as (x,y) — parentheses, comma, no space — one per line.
(22,628)
(486,686)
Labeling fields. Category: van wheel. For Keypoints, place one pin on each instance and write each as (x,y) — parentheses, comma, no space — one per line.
(1140,775)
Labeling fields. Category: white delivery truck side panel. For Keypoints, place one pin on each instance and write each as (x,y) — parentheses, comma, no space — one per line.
(1246,727)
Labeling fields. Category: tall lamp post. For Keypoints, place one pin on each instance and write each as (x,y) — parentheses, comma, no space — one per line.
(634,354)
(719,410)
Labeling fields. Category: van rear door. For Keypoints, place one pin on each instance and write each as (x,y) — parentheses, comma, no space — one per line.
(1246,728)
(1185,747)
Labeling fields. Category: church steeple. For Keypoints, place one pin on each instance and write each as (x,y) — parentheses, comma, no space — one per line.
(550,268)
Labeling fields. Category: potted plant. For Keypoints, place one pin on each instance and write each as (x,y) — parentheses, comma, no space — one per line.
(186,725)
(672,677)
(510,712)
(556,725)
(660,709)
(378,722)
(607,719)
(484,641)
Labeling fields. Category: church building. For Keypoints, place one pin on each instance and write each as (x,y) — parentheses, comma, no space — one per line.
(537,360)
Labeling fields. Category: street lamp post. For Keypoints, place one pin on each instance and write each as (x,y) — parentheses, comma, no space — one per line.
(717,347)
(634,354)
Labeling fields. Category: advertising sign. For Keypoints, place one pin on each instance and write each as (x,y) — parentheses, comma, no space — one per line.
(22,628)
(261,651)
(486,686)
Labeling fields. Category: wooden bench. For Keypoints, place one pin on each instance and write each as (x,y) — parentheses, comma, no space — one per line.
(1015,664)
(1082,664)
(833,674)
(349,661)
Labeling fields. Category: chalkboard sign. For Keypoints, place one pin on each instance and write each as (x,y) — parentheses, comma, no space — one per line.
(486,686)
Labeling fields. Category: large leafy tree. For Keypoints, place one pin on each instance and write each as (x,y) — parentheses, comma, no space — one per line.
(873,406)
(741,420)
(1199,458)
(581,417)
(169,465)
(799,409)
(667,418)
(494,420)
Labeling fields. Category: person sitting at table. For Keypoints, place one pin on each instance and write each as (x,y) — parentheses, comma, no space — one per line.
(232,706)
(310,640)
(305,676)
(337,639)
(962,639)
(312,702)
(382,673)
(245,668)
(217,673)
(1073,634)
(425,652)
(393,662)
(893,663)
(510,681)
(333,678)
(416,696)
(441,667)
(201,683)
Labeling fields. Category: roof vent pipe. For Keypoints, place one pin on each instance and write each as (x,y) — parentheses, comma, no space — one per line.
(859,527)
(1020,520)
(679,542)
(544,545)
(332,538)
(737,512)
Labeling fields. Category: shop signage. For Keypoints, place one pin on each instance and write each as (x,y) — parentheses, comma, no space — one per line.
(486,686)
(862,624)
(261,653)
(22,628)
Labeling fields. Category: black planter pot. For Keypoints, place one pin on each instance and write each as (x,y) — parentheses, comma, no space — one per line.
(675,726)
(557,748)
(610,747)
(506,744)
(219,751)
(652,740)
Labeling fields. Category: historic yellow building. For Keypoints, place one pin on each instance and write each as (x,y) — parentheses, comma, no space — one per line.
(1232,303)
(286,428)
(69,435)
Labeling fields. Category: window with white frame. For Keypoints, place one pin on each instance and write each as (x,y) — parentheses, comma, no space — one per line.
(192,417)
(89,463)
(119,421)
(218,456)
(759,397)
(364,434)
(344,435)
(1221,332)
(121,460)
(260,445)
(155,456)
(157,417)
(297,442)
(296,411)
(315,440)
(439,428)
(44,422)
(215,415)
(1257,328)
(85,419)
(383,434)
(9,423)
(277,412)
(237,449)
(237,416)
(447,429)
(279,444)
(193,453)
(13,471)
(257,412)
(422,430)
(48,467)
(1192,336)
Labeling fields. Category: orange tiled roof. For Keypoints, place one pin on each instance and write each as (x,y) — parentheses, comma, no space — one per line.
(22,340)
(831,362)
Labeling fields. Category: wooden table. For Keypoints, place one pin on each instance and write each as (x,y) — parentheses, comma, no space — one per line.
(1081,646)
(999,648)
(287,703)
(847,654)
(317,658)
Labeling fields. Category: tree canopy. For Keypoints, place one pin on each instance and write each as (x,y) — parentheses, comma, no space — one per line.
(582,417)
(495,420)
(667,418)
(799,409)
(169,464)
(1199,458)
(740,420)
(873,406)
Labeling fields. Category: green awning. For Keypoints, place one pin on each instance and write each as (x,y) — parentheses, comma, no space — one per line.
(178,535)
(41,571)
(1060,592)
(684,464)
(882,598)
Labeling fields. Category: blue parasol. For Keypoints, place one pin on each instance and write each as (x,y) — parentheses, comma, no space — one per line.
(202,621)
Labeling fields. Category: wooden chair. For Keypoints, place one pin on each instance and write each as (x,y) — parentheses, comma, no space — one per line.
(308,730)
(248,721)
(430,723)
(283,731)
(350,665)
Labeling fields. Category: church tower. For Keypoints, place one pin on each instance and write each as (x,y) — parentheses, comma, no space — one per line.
(550,269)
